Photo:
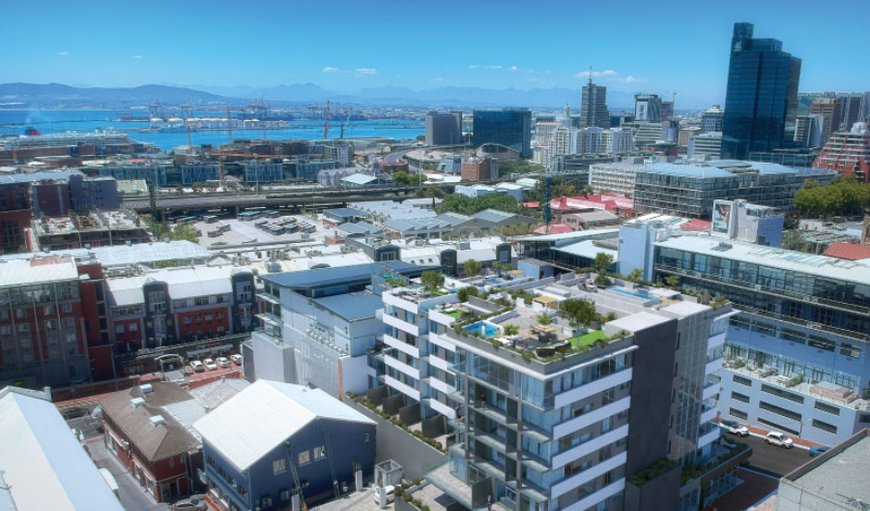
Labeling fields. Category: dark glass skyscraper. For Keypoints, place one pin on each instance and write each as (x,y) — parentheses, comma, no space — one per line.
(762,94)
(510,127)
(593,106)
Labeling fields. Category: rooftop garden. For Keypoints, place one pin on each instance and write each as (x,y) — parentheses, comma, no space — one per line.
(588,339)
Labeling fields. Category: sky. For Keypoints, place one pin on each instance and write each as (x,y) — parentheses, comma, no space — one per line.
(349,45)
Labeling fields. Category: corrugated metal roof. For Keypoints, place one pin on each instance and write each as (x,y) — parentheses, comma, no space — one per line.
(37,271)
(264,415)
(122,255)
(850,251)
(352,306)
(43,465)
(359,179)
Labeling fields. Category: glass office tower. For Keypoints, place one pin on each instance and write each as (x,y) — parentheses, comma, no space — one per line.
(511,127)
(761,96)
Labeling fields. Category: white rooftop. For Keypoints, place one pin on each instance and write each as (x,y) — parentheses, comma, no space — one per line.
(21,272)
(638,321)
(42,463)
(183,283)
(264,415)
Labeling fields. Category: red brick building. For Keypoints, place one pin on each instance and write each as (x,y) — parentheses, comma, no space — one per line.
(479,169)
(847,152)
(159,451)
(14,214)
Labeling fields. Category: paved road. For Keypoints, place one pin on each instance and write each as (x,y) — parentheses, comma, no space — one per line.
(132,496)
(774,460)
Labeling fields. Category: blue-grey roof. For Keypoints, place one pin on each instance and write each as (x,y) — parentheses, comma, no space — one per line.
(493,215)
(359,228)
(325,277)
(725,168)
(345,212)
(29,177)
(418,224)
(352,306)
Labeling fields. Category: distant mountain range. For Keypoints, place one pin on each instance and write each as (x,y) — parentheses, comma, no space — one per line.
(59,95)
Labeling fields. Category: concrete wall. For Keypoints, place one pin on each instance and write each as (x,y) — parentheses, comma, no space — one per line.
(273,361)
(663,492)
(394,443)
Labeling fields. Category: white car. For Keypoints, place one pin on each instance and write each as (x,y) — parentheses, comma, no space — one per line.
(735,428)
(779,439)
(236,358)
(389,492)
(223,361)
(197,366)
(209,364)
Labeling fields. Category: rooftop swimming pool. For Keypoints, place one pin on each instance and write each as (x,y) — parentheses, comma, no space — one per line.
(483,328)
(634,293)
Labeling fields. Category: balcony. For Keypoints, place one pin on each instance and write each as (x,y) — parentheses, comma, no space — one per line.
(592,388)
(575,480)
(713,366)
(709,434)
(403,388)
(402,367)
(404,347)
(709,414)
(589,446)
(591,417)
(593,499)
(401,325)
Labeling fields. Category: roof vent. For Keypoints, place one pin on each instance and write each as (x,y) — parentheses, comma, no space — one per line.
(147,388)
(157,420)
(137,402)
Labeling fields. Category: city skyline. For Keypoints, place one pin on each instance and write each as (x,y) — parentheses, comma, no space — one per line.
(348,48)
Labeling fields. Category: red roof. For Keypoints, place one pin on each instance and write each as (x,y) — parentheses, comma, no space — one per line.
(695,225)
(531,204)
(850,251)
(554,229)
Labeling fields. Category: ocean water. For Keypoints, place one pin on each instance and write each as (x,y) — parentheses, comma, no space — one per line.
(14,122)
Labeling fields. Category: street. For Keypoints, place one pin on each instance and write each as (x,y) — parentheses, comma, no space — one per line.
(776,461)
(131,495)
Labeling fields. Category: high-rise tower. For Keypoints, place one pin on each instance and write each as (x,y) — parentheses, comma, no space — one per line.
(762,94)
(593,106)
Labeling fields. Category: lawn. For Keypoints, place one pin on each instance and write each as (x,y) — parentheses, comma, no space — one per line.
(454,313)
(587,339)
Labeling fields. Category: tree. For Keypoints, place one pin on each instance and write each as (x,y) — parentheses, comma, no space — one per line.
(544,319)
(673,282)
(506,168)
(464,205)
(400,177)
(432,280)
(603,262)
(184,232)
(578,312)
(472,267)
(635,276)
(793,240)
(588,190)
(510,330)
(466,292)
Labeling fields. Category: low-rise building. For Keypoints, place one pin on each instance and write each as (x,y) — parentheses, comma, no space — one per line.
(97,229)
(276,445)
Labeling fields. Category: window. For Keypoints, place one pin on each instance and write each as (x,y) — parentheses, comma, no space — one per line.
(850,350)
(736,396)
(279,466)
(778,427)
(365,436)
(119,328)
(833,410)
(740,414)
(304,457)
(67,307)
(741,380)
(779,410)
(266,501)
(285,495)
(821,344)
(133,327)
(319,452)
(824,426)
(782,393)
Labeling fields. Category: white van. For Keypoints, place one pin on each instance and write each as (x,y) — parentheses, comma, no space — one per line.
(110,480)
(389,492)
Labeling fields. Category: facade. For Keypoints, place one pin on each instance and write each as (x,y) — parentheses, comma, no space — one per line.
(761,96)
(706,146)
(15,212)
(479,169)
(739,220)
(88,230)
(200,172)
(848,153)
(829,110)
(318,325)
(593,106)
(275,445)
(42,463)
(510,127)
(689,190)
(443,128)
(262,172)
(617,178)
(647,108)
(808,130)
(796,356)
(158,450)
(537,431)
(711,119)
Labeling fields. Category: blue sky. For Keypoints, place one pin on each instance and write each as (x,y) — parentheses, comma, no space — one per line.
(348,45)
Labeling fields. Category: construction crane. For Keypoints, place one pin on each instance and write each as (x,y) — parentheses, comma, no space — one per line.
(229,125)
(189,143)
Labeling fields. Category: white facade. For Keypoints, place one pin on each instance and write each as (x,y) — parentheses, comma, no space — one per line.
(616,178)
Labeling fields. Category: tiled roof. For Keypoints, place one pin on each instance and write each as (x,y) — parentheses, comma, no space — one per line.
(850,251)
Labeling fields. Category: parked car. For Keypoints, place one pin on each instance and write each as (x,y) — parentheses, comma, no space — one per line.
(74,412)
(818,450)
(197,366)
(223,361)
(209,364)
(735,428)
(236,358)
(192,503)
(389,492)
(779,439)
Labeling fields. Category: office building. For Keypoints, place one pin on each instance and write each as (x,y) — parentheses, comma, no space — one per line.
(705,146)
(647,134)
(42,464)
(547,419)
(689,189)
(443,128)
(852,109)
(277,445)
(761,97)
(742,221)
(809,129)
(647,108)
(667,110)
(711,119)
(848,153)
(509,127)
(829,110)
(479,169)
(617,178)
(593,106)
(617,141)
(796,355)
(834,481)
(565,141)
